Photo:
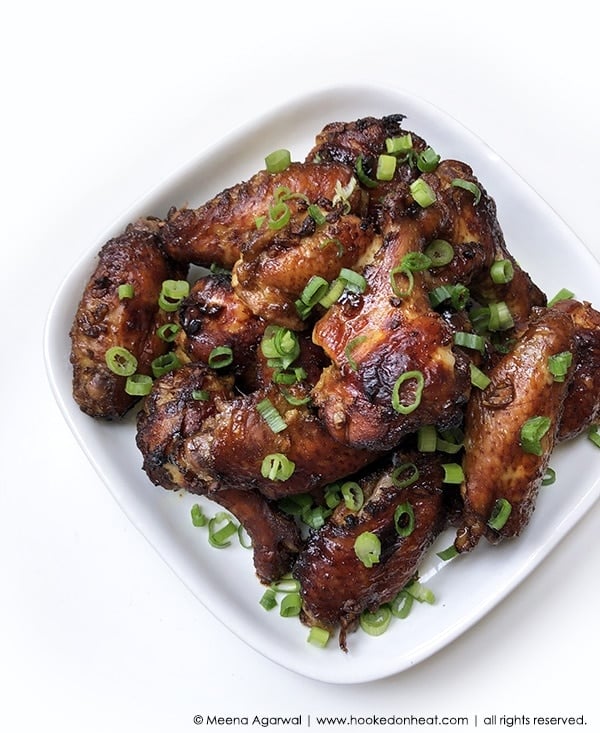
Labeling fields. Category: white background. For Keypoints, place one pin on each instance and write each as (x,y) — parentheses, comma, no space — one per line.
(101,101)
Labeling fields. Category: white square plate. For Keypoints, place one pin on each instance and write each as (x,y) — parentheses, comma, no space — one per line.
(224,581)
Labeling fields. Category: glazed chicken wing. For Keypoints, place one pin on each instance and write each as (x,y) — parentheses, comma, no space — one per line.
(104,319)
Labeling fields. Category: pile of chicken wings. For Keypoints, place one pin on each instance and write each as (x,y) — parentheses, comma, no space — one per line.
(360,323)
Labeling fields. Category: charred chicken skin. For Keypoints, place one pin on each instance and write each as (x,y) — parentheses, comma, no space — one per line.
(338,385)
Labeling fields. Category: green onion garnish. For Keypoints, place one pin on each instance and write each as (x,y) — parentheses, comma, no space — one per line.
(404,519)
(376,623)
(402,408)
(478,378)
(172,293)
(402,604)
(367,547)
(318,636)
(453,473)
(280,346)
(469,340)
(428,160)
(422,193)
(426,439)
(125,291)
(269,414)
(398,290)
(120,361)
(440,252)
(314,290)
(333,495)
(500,317)
(400,471)
(502,271)
(279,215)
(558,365)
(386,167)
(468,186)
(448,553)
(316,214)
(290,605)
(353,495)
(354,280)
(285,584)
(244,538)
(593,434)
(333,240)
(563,294)
(532,432)
(220,357)
(415,261)
(350,347)
(336,289)
(199,518)
(399,145)
(420,593)
(164,364)
(278,160)
(200,395)
(549,477)
(277,467)
(362,175)
(500,514)
(268,600)
(168,331)
(138,385)
(220,528)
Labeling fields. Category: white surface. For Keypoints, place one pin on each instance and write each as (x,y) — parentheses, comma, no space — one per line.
(465,590)
(100,104)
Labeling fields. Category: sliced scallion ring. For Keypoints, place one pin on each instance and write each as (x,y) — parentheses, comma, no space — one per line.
(138,385)
(172,293)
(125,291)
(199,518)
(500,317)
(502,272)
(396,274)
(279,215)
(351,346)
(549,477)
(164,364)
(422,193)
(428,160)
(400,406)
(362,175)
(386,167)
(426,439)
(314,290)
(220,357)
(500,514)
(316,214)
(290,605)
(120,361)
(404,519)
(469,340)
(271,416)
(353,495)
(448,553)
(400,145)
(558,365)
(402,604)
(468,186)
(420,593)
(478,378)
(268,600)
(168,331)
(415,261)
(200,395)
(367,548)
(376,622)
(354,280)
(220,528)
(453,473)
(409,471)
(440,252)
(318,636)
(562,294)
(277,467)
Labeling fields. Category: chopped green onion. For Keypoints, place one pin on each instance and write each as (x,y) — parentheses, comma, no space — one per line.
(199,518)
(220,357)
(386,167)
(399,145)
(402,469)
(448,553)
(220,529)
(316,214)
(480,318)
(120,361)
(138,385)
(314,290)
(376,623)
(168,331)
(500,514)
(269,414)
(502,271)
(354,280)
(125,291)
(350,347)
(290,605)
(259,221)
(440,252)
(404,519)
(500,317)
(172,293)
(279,215)
(415,262)
(453,473)
(448,446)
(469,340)
(338,244)
(318,636)
(468,186)
(422,193)
(420,593)
(336,289)
(558,365)
(288,376)
(362,175)
(406,409)
(277,467)
(201,395)
(398,291)
(295,505)
(353,495)
(278,160)
(367,548)
(549,477)
(268,600)
(291,399)
(316,516)
(532,432)
(280,346)
(593,434)
(333,495)
(285,584)
(402,604)
(164,364)
(343,193)
(426,439)
(478,378)
(563,294)
(428,160)
(439,295)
